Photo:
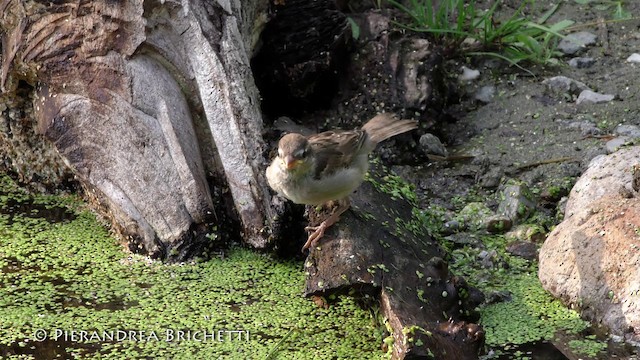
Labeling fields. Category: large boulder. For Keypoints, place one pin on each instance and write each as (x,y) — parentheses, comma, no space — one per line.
(590,260)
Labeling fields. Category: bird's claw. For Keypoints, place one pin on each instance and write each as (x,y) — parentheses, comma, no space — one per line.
(318,232)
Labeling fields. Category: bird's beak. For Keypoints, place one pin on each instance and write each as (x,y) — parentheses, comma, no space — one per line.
(291,162)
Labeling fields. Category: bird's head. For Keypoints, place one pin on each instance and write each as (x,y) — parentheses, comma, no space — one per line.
(294,152)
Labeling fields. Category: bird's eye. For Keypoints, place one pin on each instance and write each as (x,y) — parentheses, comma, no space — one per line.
(279,153)
(301,153)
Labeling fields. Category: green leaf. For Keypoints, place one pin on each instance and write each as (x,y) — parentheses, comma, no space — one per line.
(620,13)
(583,2)
(561,25)
(543,19)
(355,28)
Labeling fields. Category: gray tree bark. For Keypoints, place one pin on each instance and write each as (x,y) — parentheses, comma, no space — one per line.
(142,100)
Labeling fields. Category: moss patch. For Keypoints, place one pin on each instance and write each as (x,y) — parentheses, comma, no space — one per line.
(72,276)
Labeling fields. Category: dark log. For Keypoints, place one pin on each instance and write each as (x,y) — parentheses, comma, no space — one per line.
(381,247)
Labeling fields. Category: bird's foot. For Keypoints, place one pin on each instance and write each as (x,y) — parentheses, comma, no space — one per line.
(318,232)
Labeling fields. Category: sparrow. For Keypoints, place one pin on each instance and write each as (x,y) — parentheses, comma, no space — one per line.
(329,166)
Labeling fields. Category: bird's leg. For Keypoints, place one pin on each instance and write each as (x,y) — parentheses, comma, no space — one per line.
(318,231)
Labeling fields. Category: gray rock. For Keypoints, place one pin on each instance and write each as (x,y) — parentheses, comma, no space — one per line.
(563,84)
(594,97)
(615,144)
(576,42)
(485,94)
(634,58)
(631,131)
(468,74)
(582,62)
(517,202)
(430,144)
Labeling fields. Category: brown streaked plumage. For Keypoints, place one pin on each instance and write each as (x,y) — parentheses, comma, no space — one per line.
(329,166)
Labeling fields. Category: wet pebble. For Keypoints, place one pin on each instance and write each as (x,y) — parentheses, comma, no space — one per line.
(576,42)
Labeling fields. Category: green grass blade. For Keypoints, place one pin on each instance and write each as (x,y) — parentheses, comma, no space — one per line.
(545,29)
(561,25)
(543,19)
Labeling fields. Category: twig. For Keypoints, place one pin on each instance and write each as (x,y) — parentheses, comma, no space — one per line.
(449,158)
(544,162)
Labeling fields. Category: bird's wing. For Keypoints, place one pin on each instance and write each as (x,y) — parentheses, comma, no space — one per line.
(335,150)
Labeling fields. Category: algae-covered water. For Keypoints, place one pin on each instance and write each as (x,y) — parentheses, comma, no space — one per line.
(69,290)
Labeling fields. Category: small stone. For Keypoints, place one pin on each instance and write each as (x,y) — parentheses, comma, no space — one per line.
(563,84)
(614,145)
(474,215)
(634,58)
(631,131)
(490,259)
(451,227)
(491,179)
(468,74)
(587,128)
(524,249)
(463,239)
(576,42)
(431,145)
(594,97)
(485,94)
(582,62)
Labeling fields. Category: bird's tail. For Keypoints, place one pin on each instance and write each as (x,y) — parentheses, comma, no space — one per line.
(384,126)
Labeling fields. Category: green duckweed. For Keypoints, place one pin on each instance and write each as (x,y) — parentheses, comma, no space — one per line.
(73,282)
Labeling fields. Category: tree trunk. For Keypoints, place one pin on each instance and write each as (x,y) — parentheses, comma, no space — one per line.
(143,100)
